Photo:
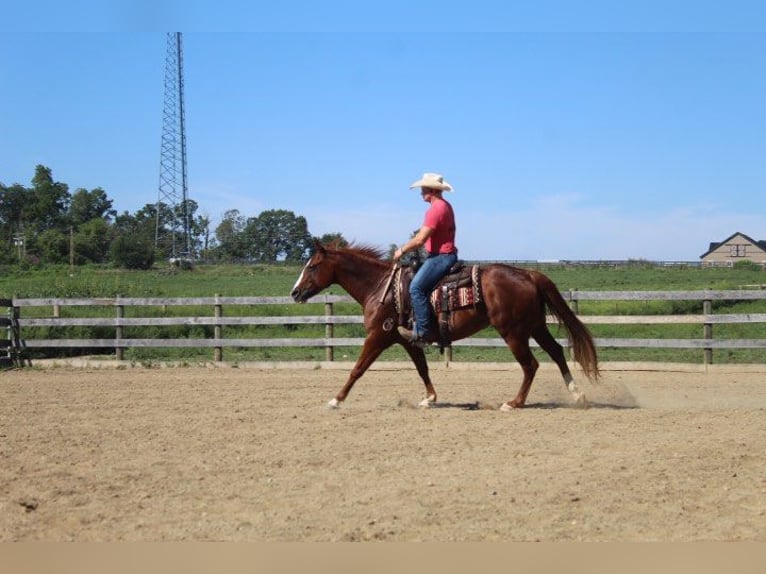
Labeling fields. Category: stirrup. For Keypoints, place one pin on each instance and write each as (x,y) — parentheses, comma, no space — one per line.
(410,337)
(405,332)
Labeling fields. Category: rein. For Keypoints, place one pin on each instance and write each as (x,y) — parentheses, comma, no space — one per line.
(394,269)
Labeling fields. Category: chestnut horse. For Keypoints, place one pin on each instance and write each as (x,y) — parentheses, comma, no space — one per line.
(513,302)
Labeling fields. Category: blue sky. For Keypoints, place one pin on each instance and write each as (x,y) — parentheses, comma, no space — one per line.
(644,138)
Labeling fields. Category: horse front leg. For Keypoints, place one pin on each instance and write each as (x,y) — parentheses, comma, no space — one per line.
(373,346)
(421,364)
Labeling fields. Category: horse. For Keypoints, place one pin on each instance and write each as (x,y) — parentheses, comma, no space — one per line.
(514,303)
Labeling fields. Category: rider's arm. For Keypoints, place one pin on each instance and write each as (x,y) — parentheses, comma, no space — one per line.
(415,243)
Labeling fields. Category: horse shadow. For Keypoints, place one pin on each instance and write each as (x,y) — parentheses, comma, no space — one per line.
(591,405)
(542,405)
(475,406)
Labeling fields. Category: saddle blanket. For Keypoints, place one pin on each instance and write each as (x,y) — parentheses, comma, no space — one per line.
(459,298)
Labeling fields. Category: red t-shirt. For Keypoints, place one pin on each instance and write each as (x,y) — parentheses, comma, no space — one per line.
(441,219)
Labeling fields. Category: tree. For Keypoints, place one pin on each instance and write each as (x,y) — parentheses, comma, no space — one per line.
(162,228)
(134,233)
(198,227)
(132,253)
(91,242)
(13,200)
(336,239)
(87,205)
(125,224)
(229,233)
(277,235)
(202,231)
(49,202)
(52,246)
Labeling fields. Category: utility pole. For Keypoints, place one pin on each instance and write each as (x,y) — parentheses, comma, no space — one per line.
(18,241)
(71,250)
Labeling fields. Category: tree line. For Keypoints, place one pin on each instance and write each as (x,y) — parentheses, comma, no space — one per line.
(46,224)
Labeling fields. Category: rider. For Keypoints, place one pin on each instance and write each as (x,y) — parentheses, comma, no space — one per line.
(437,234)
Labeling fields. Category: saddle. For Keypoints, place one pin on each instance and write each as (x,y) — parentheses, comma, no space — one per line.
(459,289)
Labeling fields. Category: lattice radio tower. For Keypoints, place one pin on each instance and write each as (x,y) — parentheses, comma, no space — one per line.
(172,237)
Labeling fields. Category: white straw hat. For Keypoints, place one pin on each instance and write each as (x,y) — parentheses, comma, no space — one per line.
(432,181)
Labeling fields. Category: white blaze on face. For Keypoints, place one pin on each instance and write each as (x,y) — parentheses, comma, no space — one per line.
(300,277)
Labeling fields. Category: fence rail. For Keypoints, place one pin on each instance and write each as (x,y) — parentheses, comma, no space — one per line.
(18,326)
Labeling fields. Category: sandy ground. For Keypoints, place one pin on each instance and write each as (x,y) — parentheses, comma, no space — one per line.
(233,454)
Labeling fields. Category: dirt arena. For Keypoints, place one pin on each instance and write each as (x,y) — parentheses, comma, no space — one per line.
(200,453)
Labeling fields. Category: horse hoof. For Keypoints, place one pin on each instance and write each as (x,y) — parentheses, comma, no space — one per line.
(427,402)
(581,402)
(507,407)
(333,404)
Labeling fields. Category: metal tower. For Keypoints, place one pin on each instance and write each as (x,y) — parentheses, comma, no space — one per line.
(173,225)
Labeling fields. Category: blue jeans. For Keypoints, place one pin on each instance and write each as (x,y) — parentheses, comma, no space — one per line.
(433,269)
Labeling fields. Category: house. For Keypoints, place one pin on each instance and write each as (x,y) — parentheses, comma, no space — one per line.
(737,247)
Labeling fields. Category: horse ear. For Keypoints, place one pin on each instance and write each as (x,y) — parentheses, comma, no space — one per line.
(318,247)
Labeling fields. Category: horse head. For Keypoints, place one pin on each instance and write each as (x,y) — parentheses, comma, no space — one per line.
(317,274)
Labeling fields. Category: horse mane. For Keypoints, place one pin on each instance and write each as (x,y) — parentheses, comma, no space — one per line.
(364,251)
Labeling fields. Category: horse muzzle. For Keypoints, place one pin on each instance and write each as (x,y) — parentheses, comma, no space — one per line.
(301,295)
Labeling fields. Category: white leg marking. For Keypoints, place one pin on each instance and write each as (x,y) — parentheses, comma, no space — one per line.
(577,394)
(333,404)
(427,402)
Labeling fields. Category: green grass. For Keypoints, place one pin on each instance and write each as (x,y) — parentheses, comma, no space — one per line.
(277,280)
(203,281)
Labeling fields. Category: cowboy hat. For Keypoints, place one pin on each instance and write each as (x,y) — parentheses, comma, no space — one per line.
(432,181)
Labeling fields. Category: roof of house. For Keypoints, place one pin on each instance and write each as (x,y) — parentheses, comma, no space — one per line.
(716,245)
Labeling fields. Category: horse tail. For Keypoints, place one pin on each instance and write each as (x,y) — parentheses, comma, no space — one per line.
(578,334)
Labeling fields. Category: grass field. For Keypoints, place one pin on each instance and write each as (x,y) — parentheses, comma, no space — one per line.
(277,280)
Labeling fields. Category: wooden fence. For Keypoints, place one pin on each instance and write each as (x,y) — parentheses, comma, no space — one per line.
(18,326)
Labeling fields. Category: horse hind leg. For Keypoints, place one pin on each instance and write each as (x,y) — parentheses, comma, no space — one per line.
(520,348)
(556,352)
(419,358)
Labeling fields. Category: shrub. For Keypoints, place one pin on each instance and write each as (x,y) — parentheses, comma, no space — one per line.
(132,253)
(747,265)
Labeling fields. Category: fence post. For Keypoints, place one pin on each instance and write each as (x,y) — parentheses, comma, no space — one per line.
(217,331)
(574,301)
(119,351)
(707,309)
(17,348)
(329,333)
(7,360)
